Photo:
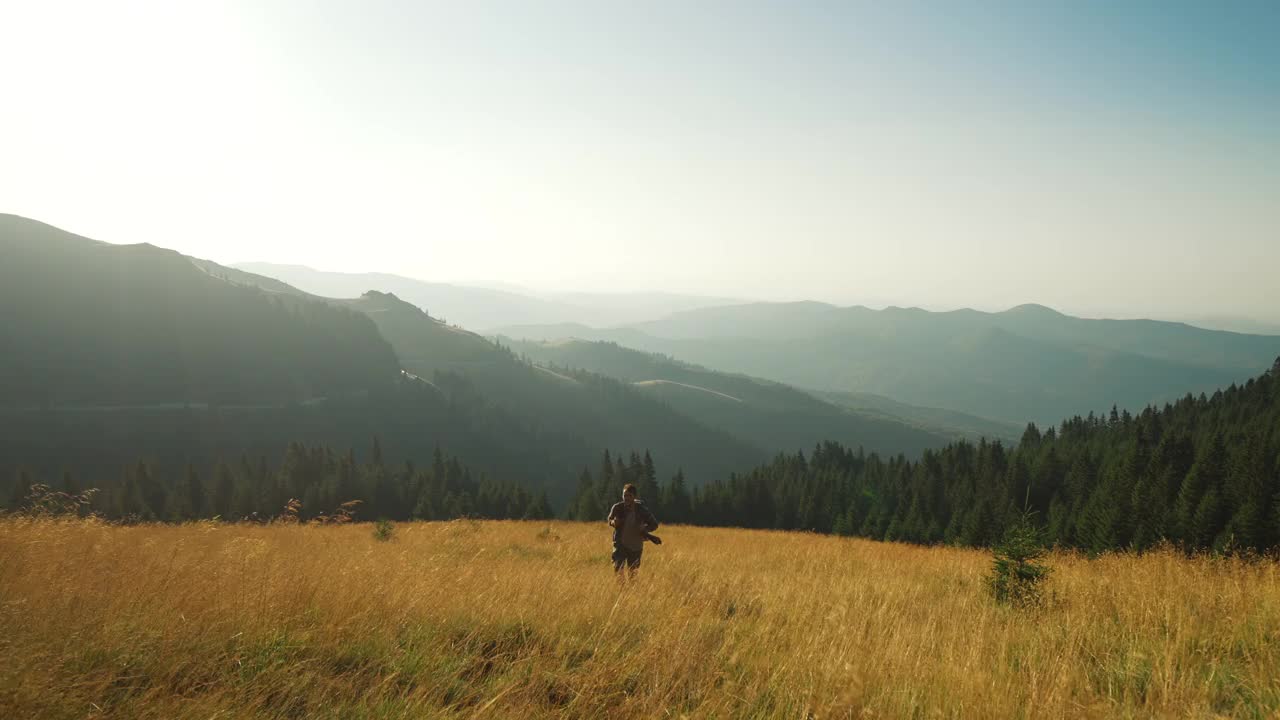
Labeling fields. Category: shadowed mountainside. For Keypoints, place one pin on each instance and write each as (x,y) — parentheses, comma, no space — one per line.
(90,322)
(113,354)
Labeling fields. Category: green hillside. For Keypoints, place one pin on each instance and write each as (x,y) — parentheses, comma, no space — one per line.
(938,419)
(423,343)
(1028,363)
(118,353)
(772,415)
(86,322)
(573,415)
(112,354)
(1202,473)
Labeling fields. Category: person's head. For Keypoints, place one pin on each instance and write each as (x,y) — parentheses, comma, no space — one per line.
(628,493)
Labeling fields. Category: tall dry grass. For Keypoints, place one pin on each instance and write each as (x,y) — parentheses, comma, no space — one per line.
(506,619)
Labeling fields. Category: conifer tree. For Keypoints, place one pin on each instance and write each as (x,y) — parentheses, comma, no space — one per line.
(584,506)
(1017,575)
(676,503)
(221,497)
(177,507)
(540,508)
(197,494)
(647,482)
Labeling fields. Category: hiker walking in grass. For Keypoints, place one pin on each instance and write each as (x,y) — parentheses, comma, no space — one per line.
(631,522)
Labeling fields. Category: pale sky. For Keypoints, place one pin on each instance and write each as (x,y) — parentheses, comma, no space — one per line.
(1100,159)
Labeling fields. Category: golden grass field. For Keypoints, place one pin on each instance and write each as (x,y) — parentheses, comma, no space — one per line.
(510,619)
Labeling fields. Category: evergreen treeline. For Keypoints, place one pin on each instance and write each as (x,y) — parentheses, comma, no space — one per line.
(317,476)
(1203,473)
(597,493)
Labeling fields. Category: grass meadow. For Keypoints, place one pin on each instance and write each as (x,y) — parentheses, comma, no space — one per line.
(523,619)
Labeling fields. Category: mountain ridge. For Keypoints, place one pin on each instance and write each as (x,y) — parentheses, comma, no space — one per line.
(1027,363)
(771,414)
(481,307)
(114,354)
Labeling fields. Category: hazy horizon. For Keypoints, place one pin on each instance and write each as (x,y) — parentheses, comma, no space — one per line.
(1103,161)
(1208,321)
(571,296)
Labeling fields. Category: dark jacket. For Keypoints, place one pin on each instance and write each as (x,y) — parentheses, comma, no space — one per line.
(649,523)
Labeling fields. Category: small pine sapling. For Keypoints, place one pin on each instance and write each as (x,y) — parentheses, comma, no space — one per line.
(1017,577)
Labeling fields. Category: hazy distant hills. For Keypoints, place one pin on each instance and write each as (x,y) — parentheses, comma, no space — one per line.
(111,352)
(1235,324)
(937,420)
(695,417)
(1027,363)
(482,308)
(771,415)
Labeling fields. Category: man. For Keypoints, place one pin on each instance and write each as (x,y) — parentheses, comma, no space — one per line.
(631,522)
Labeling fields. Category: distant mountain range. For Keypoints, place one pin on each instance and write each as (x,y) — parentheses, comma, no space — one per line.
(484,308)
(769,414)
(114,353)
(1027,363)
(568,417)
(1234,324)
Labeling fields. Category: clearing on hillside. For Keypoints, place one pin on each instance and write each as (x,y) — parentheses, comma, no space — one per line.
(717,393)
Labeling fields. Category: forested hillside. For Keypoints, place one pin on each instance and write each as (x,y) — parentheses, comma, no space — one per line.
(116,354)
(88,323)
(1028,363)
(572,415)
(157,377)
(771,415)
(1201,473)
(962,425)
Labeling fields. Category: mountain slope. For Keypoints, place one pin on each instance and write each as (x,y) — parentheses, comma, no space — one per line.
(1177,342)
(1201,473)
(937,419)
(111,354)
(768,414)
(89,322)
(1029,363)
(575,415)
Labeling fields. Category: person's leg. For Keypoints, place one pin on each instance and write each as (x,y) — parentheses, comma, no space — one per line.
(633,562)
(619,559)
